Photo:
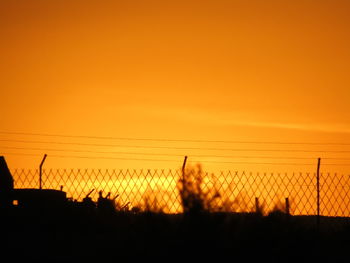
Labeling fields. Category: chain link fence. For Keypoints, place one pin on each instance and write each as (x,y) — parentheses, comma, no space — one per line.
(234,191)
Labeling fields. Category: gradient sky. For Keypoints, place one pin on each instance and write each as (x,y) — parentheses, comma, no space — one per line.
(210,70)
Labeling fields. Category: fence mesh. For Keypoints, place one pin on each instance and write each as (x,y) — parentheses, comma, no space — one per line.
(238,191)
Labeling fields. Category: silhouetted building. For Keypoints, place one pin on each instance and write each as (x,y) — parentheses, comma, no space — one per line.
(6,183)
(27,197)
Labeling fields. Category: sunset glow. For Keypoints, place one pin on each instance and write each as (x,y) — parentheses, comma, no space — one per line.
(234,85)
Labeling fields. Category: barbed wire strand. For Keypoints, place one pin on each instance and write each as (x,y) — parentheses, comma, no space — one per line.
(163,160)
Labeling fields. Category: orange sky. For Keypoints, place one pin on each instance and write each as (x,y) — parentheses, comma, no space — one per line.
(252,71)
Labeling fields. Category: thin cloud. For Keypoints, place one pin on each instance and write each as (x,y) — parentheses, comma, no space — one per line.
(329,128)
(239,118)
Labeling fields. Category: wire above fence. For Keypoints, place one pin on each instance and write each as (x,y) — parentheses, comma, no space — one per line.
(171,140)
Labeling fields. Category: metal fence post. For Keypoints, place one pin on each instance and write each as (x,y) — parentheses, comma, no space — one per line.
(40,170)
(318,191)
(287,206)
(257,208)
(184,164)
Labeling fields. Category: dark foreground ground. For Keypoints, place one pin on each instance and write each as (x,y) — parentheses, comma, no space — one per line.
(149,237)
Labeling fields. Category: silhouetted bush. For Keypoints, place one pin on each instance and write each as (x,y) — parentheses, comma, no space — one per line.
(194,199)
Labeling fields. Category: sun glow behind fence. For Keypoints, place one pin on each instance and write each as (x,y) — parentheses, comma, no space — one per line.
(25,150)
(158,189)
